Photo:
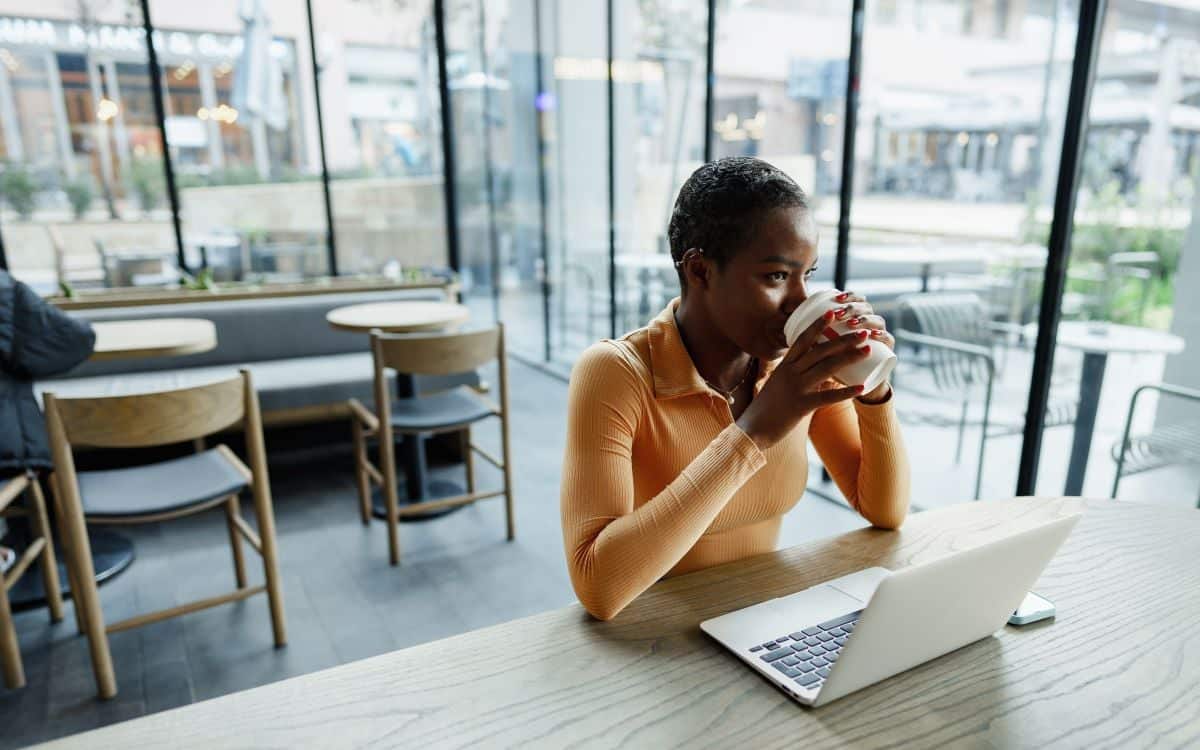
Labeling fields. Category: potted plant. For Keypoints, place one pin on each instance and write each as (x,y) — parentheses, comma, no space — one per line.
(80,194)
(18,188)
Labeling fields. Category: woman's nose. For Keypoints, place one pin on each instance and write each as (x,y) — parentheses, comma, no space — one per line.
(795,299)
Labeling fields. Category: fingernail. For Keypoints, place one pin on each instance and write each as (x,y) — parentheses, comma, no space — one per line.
(828,316)
(853,321)
(842,297)
(865,348)
(877,334)
(841,313)
(860,388)
(861,334)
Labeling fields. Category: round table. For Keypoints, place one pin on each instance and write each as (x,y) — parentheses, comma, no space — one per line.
(406,317)
(123,339)
(160,337)
(398,317)
(1097,340)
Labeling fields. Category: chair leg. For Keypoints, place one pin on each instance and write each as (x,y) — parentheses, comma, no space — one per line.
(360,471)
(270,558)
(508,493)
(87,598)
(232,511)
(10,651)
(392,500)
(962,428)
(66,552)
(41,527)
(468,457)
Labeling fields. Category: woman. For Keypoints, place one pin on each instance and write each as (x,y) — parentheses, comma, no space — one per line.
(687,439)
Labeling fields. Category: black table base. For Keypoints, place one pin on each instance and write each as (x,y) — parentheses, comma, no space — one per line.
(111,554)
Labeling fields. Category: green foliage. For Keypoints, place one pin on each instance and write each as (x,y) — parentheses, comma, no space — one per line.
(148,183)
(19,189)
(80,193)
(202,281)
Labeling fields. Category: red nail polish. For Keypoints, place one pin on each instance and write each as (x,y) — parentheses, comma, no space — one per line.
(861,334)
(877,334)
(828,315)
(854,321)
(841,313)
(860,388)
(842,297)
(865,348)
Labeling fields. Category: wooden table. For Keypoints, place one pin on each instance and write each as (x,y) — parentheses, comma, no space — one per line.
(156,337)
(405,317)
(398,317)
(1118,667)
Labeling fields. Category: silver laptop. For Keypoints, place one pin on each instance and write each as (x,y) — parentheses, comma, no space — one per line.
(825,642)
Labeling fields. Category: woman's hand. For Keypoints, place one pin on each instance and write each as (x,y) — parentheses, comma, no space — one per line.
(859,314)
(794,389)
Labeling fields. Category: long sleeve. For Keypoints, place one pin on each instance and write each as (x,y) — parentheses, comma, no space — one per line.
(614,551)
(862,447)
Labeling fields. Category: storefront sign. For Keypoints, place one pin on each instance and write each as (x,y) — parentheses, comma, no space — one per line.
(70,37)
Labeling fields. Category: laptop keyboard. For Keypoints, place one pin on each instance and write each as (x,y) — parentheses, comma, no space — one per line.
(806,656)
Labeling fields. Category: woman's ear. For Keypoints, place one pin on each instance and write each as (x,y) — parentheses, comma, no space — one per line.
(697,269)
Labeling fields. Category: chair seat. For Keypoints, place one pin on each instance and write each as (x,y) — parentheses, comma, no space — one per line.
(439,411)
(168,486)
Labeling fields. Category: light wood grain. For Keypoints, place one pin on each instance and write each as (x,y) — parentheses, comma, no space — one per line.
(398,317)
(148,419)
(437,353)
(159,337)
(1117,669)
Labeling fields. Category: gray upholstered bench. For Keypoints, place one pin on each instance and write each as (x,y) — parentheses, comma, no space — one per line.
(303,369)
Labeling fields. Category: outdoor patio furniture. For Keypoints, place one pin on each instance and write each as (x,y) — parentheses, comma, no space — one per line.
(957,343)
(1166,445)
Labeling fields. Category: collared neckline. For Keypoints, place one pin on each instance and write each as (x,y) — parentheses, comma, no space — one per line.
(671,364)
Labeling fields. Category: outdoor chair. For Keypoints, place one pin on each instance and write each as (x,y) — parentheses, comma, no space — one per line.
(1172,444)
(956,342)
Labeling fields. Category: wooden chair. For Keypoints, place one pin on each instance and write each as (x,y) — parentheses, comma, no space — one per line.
(42,546)
(448,411)
(162,491)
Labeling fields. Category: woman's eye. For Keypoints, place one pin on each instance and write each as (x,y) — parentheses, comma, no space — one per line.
(809,273)
(778,276)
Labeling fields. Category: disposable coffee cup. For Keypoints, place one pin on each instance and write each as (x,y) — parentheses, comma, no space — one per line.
(868,372)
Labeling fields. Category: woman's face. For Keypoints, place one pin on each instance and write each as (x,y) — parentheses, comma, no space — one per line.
(760,286)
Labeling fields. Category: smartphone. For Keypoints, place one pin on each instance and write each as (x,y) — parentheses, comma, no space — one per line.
(1032,609)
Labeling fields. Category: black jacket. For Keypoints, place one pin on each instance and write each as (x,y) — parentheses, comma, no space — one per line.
(37,340)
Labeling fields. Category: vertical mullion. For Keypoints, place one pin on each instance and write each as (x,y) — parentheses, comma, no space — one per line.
(489,187)
(849,132)
(156,90)
(544,237)
(710,79)
(330,241)
(612,177)
(448,160)
(1083,71)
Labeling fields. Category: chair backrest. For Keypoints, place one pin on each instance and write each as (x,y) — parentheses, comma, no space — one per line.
(958,317)
(149,419)
(437,353)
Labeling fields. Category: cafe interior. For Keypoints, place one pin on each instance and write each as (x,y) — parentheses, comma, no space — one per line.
(291,294)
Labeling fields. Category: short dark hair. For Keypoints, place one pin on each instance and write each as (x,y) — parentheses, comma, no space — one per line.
(719,206)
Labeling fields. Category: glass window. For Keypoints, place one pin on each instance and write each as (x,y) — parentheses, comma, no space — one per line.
(241,126)
(1125,323)
(83,187)
(960,125)
(382,120)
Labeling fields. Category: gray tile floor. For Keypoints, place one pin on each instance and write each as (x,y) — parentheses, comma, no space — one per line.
(343,601)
